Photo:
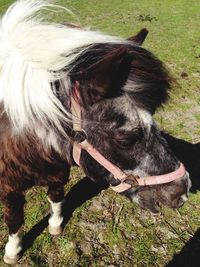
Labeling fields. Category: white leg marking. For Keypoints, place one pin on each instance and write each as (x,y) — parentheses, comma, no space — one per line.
(56,218)
(12,249)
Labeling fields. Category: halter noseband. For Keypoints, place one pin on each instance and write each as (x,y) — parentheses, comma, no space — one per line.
(126,181)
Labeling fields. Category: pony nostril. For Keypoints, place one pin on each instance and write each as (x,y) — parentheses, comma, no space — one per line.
(182,200)
(180,203)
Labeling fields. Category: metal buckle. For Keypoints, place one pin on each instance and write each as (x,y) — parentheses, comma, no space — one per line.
(79,136)
(132,180)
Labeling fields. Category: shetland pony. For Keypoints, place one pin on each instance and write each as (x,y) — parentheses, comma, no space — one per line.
(117,85)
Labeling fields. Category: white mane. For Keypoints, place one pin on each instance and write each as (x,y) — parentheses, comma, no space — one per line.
(32,50)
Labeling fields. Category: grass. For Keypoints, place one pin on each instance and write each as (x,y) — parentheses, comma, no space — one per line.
(108,230)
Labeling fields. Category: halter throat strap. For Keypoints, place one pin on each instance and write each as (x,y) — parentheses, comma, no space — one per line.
(126,181)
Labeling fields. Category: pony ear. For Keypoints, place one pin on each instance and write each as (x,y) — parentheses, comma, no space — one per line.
(105,69)
(139,37)
(106,76)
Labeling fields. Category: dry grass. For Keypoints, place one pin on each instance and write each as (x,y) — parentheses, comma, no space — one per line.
(108,230)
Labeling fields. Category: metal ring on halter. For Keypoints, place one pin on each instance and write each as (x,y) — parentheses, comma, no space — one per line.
(132,180)
(79,136)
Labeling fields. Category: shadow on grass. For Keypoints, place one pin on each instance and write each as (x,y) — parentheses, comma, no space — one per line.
(29,237)
(189,255)
(189,155)
(84,190)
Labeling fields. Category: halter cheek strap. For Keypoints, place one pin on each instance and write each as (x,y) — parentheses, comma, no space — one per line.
(117,173)
(126,181)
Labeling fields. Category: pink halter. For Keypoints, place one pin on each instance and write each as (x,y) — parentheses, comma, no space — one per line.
(116,171)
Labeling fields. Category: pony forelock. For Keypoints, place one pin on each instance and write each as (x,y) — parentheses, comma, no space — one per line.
(33,54)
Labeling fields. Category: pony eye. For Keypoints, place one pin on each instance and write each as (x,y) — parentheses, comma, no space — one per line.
(124,143)
(126,140)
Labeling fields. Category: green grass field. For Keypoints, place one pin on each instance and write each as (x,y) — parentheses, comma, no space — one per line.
(107,230)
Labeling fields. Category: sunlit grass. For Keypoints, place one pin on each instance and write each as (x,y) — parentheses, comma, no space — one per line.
(109,230)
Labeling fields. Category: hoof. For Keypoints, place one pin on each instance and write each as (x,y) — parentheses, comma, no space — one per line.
(55,230)
(11,260)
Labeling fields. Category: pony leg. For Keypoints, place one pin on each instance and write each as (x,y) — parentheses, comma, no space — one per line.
(55,197)
(14,218)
